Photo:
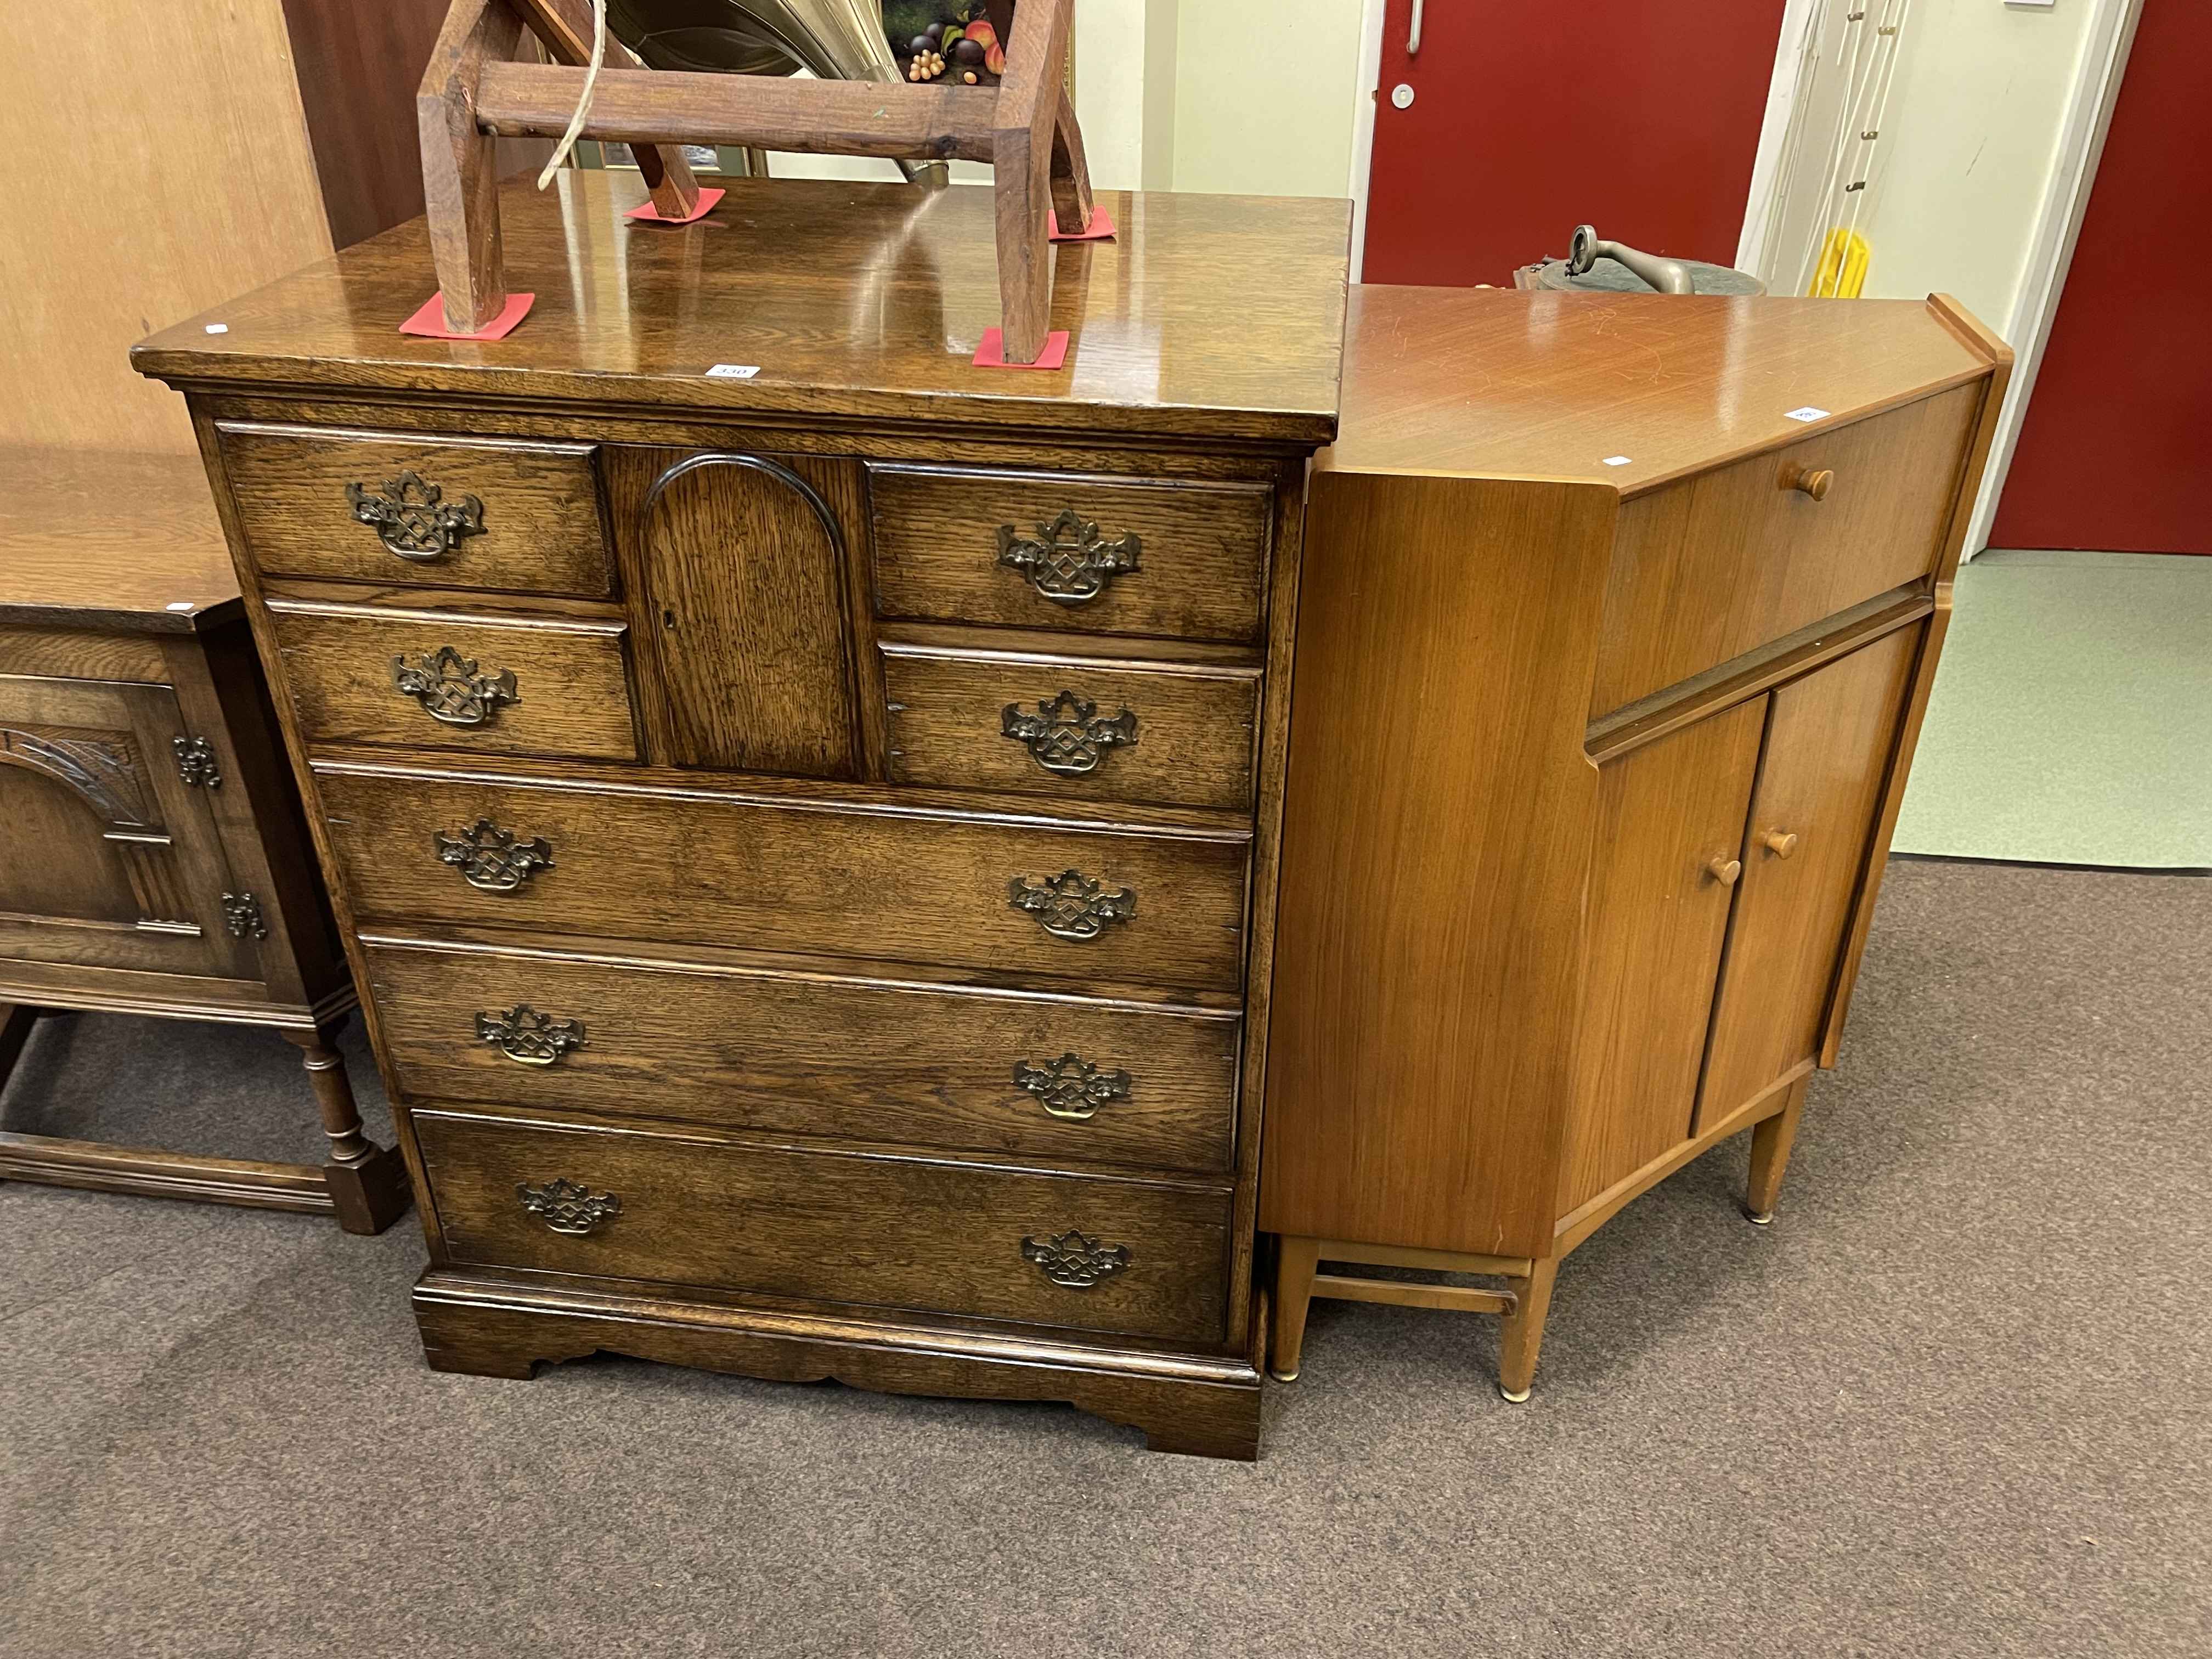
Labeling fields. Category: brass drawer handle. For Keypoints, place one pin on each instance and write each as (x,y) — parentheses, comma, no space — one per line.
(1068,561)
(566,1207)
(1071,1087)
(1070,905)
(1808,481)
(449,688)
(1724,870)
(1067,735)
(491,858)
(413,518)
(1780,842)
(528,1037)
(1074,1259)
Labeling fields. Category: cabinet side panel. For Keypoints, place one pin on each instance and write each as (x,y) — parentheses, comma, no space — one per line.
(1435,848)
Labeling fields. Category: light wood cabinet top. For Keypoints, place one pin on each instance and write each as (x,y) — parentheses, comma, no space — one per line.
(1220,314)
(1497,383)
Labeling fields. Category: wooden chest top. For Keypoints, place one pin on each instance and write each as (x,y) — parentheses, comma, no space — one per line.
(1219,315)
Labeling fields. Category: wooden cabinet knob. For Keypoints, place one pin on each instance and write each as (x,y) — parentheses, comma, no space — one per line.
(1724,870)
(1808,481)
(1780,842)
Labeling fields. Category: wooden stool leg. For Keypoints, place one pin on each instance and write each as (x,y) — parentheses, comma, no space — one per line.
(1070,172)
(367,1182)
(461,170)
(1296,1261)
(1771,1141)
(1522,1335)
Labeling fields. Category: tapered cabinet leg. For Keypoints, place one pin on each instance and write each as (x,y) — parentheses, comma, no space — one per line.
(1296,1261)
(368,1182)
(1520,1336)
(1771,1141)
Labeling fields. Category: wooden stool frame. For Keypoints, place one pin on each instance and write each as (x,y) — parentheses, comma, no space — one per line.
(475,92)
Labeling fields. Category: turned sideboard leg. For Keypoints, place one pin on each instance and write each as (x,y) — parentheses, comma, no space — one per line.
(1771,1141)
(15,1023)
(1295,1260)
(367,1182)
(1522,1334)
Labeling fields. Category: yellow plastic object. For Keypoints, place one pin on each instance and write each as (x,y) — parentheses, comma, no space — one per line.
(1842,268)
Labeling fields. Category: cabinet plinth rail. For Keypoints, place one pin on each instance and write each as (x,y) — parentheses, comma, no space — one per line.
(475,91)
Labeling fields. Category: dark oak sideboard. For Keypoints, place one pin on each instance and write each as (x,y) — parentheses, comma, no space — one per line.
(154,857)
(1619,616)
(803,807)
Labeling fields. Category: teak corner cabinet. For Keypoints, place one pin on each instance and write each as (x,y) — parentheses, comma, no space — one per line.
(1619,618)
(806,842)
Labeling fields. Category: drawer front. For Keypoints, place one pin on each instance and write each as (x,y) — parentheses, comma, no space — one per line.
(1077,729)
(1071,1251)
(1718,565)
(722,868)
(445,680)
(1040,549)
(956,1069)
(398,508)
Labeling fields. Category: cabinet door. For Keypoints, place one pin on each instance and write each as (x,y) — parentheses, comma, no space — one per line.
(108,857)
(1828,749)
(1670,821)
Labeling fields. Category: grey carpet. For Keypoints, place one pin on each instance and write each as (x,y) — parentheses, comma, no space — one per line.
(1954,1401)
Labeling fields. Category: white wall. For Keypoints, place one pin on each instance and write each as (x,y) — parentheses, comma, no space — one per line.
(1265,95)
(1969,148)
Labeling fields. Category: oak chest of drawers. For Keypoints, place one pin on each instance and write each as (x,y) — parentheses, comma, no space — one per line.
(806,837)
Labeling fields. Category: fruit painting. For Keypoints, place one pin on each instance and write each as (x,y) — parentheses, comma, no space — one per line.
(961,42)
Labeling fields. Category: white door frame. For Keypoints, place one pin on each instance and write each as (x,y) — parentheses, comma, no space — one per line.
(2057,220)
(1365,85)
(2057,228)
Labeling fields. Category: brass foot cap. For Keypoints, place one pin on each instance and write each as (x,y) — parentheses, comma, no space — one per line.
(1282,1376)
(1759,1217)
(1507,1394)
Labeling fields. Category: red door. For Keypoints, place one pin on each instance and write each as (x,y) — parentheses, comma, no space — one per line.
(2115,452)
(1527,120)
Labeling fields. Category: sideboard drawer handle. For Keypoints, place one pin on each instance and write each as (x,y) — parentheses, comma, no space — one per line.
(413,518)
(491,858)
(1071,1087)
(1067,735)
(1724,869)
(1075,1260)
(528,1037)
(1808,481)
(1068,561)
(1070,905)
(449,688)
(567,1207)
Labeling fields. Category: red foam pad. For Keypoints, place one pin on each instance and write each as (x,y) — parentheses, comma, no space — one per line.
(991,353)
(430,320)
(650,214)
(1100,229)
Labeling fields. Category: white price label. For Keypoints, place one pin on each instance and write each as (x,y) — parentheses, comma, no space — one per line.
(733,371)
(1808,413)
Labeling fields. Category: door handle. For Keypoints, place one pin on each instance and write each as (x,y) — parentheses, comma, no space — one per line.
(1414,35)
(1780,842)
(1724,870)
